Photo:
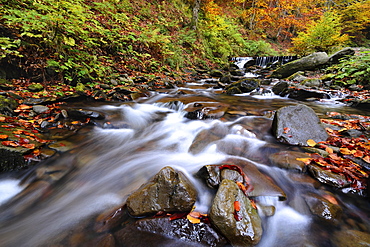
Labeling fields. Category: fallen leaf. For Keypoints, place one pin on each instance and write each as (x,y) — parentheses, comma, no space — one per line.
(2,119)
(286,130)
(358,154)
(10,143)
(30,146)
(305,160)
(347,151)
(331,199)
(311,143)
(329,150)
(192,219)
(237,206)
(366,159)
(3,137)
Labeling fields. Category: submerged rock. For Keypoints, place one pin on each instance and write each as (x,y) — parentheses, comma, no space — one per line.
(350,238)
(323,208)
(288,160)
(295,125)
(167,191)
(240,224)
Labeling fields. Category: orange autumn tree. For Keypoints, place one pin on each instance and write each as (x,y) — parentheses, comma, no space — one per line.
(279,20)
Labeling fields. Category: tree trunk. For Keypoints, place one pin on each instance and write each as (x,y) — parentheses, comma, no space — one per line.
(196,8)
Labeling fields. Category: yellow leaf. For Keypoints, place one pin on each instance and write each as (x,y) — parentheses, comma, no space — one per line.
(329,150)
(305,160)
(347,151)
(366,159)
(192,219)
(311,143)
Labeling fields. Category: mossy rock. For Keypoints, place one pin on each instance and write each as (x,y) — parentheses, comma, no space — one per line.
(37,87)
(7,105)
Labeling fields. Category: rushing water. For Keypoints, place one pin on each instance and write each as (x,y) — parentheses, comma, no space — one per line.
(110,163)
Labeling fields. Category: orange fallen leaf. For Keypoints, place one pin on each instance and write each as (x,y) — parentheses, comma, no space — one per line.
(192,219)
(30,146)
(237,206)
(286,130)
(366,159)
(311,143)
(10,143)
(329,150)
(2,119)
(331,199)
(358,154)
(3,137)
(305,160)
(24,107)
(346,151)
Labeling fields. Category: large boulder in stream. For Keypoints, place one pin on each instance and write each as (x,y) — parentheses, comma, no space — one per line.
(234,215)
(167,191)
(306,63)
(295,125)
(245,85)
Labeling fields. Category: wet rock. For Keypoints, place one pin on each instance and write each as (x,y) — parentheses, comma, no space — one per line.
(83,114)
(231,175)
(295,125)
(304,94)
(206,137)
(288,160)
(333,59)
(167,191)
(304,180)
(243,86)
(106,240)
(226,79)
(7,105)
(306,63)
(312,82)
(180,230)
(351,238)
(204,110)
(259,126)
(328,177)
(241,228)
(111,219)
(237,72)
(324,209)
(63,146)
(40,109)
(211,175)
(11,160)
(280,88)
(262,184)
(216,73)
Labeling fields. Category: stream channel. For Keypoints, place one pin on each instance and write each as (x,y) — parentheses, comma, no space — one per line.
(136,139)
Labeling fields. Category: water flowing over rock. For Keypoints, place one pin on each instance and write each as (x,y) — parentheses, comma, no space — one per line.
(167,191)
(166,232)
(203,110)
(306,63)
(295,125)
(243,86)
(349,238)
(241,227)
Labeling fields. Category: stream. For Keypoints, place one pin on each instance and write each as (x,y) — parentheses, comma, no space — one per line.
(135,140)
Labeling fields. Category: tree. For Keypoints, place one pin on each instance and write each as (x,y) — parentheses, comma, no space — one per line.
(324,35)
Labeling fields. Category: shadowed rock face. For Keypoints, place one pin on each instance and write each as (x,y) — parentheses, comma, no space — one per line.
(167,191)
(295,125)
(241,227)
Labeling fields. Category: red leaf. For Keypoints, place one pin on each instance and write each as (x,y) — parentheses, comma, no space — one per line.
(10,143)
(237,206)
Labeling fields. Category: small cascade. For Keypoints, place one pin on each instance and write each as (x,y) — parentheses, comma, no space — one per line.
(262,61)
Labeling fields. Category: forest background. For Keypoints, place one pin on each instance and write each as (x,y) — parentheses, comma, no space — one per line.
(98,40)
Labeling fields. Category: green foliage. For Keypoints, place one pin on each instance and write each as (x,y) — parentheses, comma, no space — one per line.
(352,70)
(324,35)
(8,47)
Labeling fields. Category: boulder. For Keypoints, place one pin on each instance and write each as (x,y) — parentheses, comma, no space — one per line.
(216,73)
(83,114)
(304,94)
(40,109)
(167,191)
(35,87)
(309,62)
(333,59)
(325,210)
(245,85)
(281,88)
(241,225)
(295,125)
(166,232)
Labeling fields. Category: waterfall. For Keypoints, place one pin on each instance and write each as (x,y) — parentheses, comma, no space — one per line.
(262,61)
